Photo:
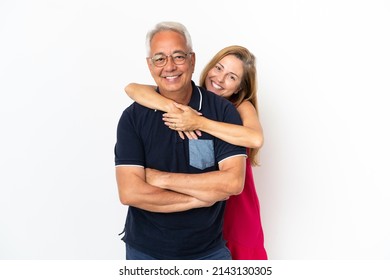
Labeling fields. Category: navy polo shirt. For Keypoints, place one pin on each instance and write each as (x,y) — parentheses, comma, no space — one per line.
(143,140)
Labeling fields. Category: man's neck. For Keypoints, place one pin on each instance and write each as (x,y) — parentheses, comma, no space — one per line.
(181,97)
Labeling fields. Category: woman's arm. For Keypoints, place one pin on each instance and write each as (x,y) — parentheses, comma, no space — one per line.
(147,96)
(249,135)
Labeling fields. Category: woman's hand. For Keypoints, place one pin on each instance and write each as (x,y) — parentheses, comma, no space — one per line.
(187,121)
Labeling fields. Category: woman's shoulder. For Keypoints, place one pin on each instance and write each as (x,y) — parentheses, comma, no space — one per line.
(245,105)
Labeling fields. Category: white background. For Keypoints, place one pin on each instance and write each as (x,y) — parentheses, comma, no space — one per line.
(324,69)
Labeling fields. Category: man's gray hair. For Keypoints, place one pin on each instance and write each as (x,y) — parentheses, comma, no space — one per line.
(168,25)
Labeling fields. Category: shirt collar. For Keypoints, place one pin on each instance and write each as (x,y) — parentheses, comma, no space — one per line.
(196,98)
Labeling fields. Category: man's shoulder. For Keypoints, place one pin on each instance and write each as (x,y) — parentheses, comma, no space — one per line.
(135,113)
(218,103)
(219,108)
(214,97)
(136,108)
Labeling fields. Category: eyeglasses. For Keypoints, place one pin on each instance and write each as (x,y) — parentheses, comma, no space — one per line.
(160,60)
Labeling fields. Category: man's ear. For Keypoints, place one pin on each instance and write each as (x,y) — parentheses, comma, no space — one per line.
(149,62)
(193,59)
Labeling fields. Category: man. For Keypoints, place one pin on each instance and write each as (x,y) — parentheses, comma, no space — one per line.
(180,216)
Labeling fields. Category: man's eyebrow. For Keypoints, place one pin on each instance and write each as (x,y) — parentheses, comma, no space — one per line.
(177,51)
(159,53)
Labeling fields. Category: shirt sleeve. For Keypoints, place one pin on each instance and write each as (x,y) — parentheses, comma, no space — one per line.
(128,148)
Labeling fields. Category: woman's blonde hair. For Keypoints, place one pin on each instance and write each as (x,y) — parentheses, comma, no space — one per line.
(248,87)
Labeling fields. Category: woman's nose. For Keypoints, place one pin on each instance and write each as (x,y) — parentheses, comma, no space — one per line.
(221,77)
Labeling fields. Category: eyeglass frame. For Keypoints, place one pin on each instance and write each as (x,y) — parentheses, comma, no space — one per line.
(172,56)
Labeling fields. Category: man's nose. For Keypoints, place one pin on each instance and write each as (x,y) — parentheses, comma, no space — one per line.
(170,64)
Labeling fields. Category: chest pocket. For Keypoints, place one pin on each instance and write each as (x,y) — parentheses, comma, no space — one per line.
(201,153)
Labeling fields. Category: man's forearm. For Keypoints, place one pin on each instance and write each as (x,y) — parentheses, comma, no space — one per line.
(134,191)
(170,201)
(209,187)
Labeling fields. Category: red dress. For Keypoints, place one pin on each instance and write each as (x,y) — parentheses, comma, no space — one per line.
(242,224)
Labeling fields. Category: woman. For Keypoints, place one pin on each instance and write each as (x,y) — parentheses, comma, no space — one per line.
(231,73)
